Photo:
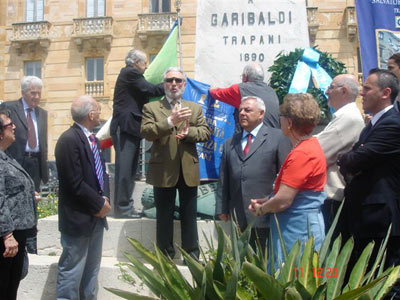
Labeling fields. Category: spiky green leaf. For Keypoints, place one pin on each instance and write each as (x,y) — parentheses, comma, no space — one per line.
(268,286)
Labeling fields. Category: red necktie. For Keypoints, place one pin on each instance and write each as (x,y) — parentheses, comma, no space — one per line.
(249,142)
(31,130)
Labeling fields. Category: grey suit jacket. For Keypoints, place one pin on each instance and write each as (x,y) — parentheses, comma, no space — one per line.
(17,149)
(245,177)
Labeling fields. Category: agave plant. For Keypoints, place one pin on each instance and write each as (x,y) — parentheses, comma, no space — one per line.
(233,270)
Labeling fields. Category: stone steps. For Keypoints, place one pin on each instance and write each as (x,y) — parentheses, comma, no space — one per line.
(40,284)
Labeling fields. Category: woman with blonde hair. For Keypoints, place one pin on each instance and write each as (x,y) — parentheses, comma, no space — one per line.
(298,191)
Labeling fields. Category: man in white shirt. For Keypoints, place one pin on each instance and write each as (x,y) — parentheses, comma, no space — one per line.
(338,137)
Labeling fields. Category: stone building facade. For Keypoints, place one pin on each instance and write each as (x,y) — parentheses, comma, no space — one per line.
(79,46)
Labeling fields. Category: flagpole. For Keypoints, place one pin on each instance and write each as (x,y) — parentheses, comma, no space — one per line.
(178,10)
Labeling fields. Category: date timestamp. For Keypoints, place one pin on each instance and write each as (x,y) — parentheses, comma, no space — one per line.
(317,272)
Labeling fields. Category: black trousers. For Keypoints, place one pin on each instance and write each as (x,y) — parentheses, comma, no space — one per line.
(11,268)
(165,204)
(329,210)
(127,148)
(32,167)
(262,235)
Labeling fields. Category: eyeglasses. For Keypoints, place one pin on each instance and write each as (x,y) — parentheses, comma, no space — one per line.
(170,80)
(331,87)
(11,124)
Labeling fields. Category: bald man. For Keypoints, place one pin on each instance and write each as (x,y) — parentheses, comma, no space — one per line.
(338,137)
(83,203)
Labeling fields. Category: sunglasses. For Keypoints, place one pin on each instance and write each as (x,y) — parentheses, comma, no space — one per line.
(331,87)
(170,80)
(11,124)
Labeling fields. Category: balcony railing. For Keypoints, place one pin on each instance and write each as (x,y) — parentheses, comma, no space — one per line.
(93,26)
(158,22)
(30,31)
(94,88)
(95,32)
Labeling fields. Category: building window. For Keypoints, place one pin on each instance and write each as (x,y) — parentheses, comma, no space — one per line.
(94,77)
(95,8)
(34,10)
(158,6)
(95,69)
(33,68)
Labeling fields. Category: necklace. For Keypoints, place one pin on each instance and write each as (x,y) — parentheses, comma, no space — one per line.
(303,138)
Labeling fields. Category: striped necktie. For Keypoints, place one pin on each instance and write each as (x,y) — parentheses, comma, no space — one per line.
(97,161)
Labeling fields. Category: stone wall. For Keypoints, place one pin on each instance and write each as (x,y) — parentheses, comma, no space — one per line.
(63,64)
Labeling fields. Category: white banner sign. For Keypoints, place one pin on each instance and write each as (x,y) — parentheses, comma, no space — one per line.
(233,33)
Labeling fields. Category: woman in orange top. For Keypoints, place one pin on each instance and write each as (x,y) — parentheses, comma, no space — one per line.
(298,192)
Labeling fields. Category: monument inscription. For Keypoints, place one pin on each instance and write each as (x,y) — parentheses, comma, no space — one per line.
(231,34)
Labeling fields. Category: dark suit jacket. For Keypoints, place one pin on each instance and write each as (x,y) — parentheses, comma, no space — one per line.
(245,177)
(132,91)
(169,155)
(80,196)
(373,194)
(17,149)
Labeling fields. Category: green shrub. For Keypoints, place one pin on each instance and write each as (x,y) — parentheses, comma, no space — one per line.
(234,270)
(48,206)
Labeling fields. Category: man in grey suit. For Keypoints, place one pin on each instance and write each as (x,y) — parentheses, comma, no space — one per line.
(338,138)
(30,146)
(249,165)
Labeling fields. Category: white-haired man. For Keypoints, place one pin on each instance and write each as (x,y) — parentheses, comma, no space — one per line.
(338,137)
(83,203)
(132,91)
(252,85)
(175,126)
(30,146)
(249,165)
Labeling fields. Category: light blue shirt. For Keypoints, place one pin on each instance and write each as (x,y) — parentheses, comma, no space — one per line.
(253,135)
(35,124)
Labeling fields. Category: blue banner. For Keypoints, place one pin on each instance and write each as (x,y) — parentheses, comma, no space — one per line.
(219,117)
(379,32)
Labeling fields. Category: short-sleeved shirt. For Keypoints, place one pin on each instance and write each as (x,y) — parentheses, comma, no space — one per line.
(304,167)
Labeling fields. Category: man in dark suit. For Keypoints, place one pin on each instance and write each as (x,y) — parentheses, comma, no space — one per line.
(30,146)
(132,91)
(249,165)
(175,126)
(372,170)
(83,203)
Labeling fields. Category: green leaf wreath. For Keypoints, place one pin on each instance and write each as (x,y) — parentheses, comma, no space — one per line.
(284,67)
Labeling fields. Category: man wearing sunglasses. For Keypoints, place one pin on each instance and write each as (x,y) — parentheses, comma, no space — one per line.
(175,126)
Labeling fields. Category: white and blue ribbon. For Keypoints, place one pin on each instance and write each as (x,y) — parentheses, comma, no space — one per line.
(307,66)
